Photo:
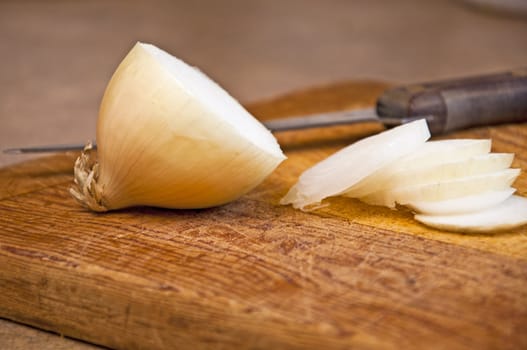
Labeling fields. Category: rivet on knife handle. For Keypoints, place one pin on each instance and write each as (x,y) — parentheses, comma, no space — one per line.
(461,103)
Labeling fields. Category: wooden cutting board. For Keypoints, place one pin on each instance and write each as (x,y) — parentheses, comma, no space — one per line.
(254,274)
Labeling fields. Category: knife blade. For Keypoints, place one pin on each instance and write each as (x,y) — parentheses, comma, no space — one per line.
(447,105)
(276,125)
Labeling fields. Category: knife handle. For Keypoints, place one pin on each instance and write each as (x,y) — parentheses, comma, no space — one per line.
(461,103)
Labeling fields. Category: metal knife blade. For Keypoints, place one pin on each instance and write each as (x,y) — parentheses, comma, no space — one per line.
(335,118)
(276,125)
(447,105)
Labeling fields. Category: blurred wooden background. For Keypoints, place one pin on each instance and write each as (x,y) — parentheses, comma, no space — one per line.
(57,57)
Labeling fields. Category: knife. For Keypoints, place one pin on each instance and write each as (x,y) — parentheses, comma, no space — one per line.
(447,105)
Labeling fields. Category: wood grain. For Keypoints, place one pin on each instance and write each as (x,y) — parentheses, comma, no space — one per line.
(254,274)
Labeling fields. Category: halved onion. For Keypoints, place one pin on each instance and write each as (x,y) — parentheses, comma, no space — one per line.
(339,172)
(508,214)
(168,136)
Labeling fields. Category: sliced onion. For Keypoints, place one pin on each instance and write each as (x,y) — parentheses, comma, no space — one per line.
(453,184)
(443,190)
(510,213)
(400,176)
(461,187)
(443,172)
(432,153)
(339,172)
(462,205)
(444,151)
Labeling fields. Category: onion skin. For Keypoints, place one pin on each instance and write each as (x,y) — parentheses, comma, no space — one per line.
(160,145)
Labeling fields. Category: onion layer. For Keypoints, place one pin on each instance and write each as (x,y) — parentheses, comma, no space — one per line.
(510,213)
(337,173)
(431,155)
(462,205)
(443,190)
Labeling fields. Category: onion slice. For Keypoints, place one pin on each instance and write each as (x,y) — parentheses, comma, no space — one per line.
(457,188)
(443,190)
(345,168)
(432,153)
(462,205)
(401,174)
(510,213)
(482,164)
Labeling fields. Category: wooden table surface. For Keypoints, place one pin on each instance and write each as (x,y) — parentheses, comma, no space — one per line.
(58,56)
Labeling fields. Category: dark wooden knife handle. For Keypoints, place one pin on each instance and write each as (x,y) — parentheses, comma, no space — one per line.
(461,103)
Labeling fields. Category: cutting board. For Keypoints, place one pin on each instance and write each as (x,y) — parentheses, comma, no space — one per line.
(254,274)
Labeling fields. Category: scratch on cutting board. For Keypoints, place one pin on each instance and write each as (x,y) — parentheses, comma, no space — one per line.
(86,244)
(379,316)
(366,257)
(127,312)
(157,338)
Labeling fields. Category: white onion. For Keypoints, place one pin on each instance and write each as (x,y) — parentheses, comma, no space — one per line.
(448,171)
(402,176)
(168,136)
(456,188)
(430,154)
(339,172)
(462,205)
(508,214)
(448,183)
